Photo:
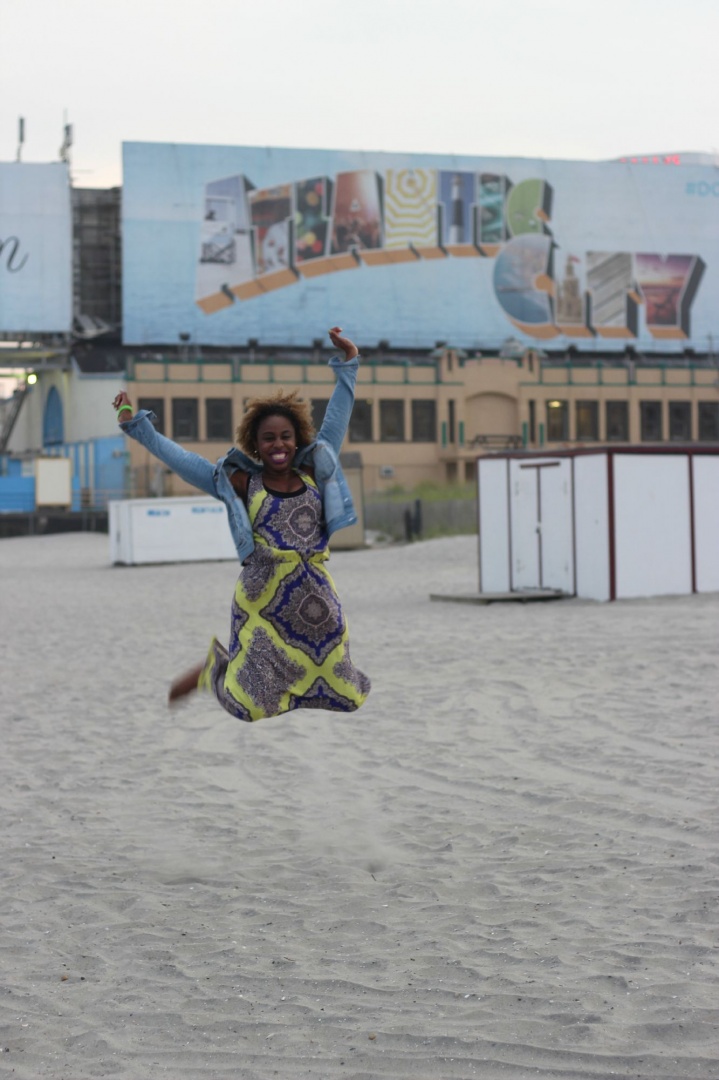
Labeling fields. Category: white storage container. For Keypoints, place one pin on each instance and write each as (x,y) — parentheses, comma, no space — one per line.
(169,530)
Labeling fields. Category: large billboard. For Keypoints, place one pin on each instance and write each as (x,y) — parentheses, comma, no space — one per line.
(234,244)
(35,248)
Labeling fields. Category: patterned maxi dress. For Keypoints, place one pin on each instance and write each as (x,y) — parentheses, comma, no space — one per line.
(289,645)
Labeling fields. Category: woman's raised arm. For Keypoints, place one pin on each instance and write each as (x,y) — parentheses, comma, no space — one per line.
(190,467)
(339,408)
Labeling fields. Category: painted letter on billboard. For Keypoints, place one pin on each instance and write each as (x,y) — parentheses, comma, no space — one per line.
(35,249)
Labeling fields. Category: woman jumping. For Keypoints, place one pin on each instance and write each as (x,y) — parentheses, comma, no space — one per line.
(285,495)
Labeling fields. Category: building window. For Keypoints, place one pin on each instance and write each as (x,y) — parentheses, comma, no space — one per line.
(532,422)
(360,428)
(319,408)
(587,417)
(424,421)
(218,418)
(156,405)
(650,415)
(557,421)
(680,421)
(617,417)
(709,421)
(451,421)
(184,418)
(391,421)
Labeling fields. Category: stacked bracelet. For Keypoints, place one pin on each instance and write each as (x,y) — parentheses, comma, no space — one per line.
(128,407)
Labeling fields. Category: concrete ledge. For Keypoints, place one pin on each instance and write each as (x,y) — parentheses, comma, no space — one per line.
(523,597)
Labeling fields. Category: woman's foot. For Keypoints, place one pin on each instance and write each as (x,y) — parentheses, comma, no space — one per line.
(184,684)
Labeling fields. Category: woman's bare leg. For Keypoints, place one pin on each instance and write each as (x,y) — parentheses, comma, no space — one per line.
(185,684)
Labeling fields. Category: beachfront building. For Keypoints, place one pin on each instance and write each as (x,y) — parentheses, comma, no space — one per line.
(500,304)
(571,299)
(429,420)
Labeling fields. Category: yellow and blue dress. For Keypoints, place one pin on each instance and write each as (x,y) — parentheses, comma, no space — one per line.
(289,643)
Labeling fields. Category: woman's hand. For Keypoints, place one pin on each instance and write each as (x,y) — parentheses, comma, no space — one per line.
(122,401)
(348,347)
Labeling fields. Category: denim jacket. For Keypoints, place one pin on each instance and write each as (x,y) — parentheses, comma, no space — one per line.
(322,455)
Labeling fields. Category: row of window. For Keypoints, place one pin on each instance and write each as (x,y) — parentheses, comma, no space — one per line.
(616,415)
(186,415)
(218,419)
(423,420)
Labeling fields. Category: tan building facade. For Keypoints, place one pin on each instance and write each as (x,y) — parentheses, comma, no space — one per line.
(429,421)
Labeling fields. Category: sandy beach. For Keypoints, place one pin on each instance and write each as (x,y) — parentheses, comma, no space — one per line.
(506,865)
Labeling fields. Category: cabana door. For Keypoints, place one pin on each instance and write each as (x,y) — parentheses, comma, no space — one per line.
(541,524)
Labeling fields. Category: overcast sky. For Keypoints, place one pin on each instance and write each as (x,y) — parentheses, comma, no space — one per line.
(555,79)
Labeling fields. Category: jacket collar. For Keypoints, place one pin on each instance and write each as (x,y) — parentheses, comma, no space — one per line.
(240,460)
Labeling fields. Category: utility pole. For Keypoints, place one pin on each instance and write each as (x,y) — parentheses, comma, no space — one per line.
(66,142)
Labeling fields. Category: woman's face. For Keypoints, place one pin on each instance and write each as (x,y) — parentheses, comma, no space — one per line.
(276,444)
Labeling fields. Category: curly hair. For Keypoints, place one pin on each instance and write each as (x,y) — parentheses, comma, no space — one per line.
(289,405)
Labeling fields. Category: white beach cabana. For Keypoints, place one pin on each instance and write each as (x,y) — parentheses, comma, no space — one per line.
(600,524)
